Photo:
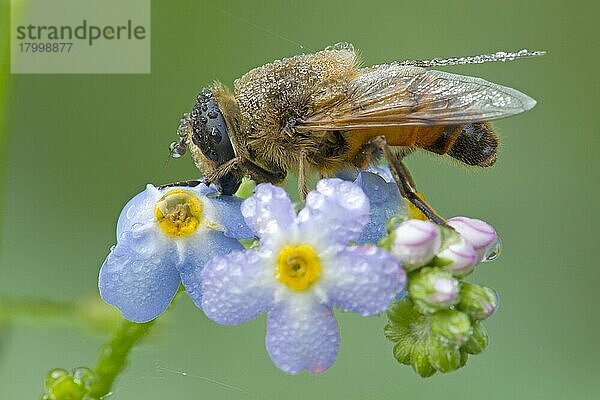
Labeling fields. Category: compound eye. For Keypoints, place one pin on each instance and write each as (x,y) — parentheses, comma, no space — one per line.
(210,130)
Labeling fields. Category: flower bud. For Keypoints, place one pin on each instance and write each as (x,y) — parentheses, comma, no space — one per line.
(84,377)
(461,257)
(420,361)
(478,233)
(478,301)
(478,340)
(433,289)
(55,375)
(443,357)
(450,327)
(65,387)
(415,243)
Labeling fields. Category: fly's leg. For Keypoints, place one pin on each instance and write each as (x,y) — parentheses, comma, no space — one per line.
(405,182)
(261,174)
(190,183)
(223,170)
(302,178)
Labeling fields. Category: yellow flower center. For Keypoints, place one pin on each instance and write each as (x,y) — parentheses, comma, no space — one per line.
(298,267)
(178,212)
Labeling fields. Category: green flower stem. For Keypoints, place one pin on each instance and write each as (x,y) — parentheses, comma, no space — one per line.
(88,312)
(113,355)
(30,311)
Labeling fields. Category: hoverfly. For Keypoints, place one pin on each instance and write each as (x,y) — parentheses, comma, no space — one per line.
(322,113)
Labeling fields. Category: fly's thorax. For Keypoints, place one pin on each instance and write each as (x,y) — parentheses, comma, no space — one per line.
(273,96)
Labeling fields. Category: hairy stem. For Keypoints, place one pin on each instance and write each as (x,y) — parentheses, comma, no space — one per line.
(113,355)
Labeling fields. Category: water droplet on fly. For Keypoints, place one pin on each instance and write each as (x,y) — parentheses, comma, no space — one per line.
(493,252)
(176,149)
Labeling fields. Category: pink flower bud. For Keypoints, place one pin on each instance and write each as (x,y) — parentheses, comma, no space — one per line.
(462,256)
(416,242)
(478,233)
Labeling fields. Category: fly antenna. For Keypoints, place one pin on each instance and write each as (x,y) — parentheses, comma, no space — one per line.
(480,59)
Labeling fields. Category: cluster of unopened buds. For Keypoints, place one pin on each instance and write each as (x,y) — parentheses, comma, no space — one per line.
(436,323)
(238,258)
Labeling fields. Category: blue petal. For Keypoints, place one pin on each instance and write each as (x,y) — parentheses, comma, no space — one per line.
(302,335)
(385,201)
(362,279)
(202,188)
(237,287)
(139,276)
(138,210)
(197,251)
(230,216)
(336,212)
(269,211)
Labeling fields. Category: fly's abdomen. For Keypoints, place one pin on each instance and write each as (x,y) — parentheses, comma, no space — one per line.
(473,144)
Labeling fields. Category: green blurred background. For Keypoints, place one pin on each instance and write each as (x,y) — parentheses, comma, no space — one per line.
(77,147)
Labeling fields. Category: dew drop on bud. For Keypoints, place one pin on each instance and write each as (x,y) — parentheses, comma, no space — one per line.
(493,252)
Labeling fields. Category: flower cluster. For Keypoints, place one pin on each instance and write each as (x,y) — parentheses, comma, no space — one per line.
(297,266)
(438,323)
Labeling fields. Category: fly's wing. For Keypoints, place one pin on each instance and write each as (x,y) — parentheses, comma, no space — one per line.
(395,95)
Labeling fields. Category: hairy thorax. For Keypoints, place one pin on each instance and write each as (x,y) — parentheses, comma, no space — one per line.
(272,97)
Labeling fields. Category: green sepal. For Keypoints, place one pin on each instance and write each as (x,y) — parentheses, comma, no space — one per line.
(443,356)
(403,318)
(479,339)
(395,332)
(385,242)
(448,237)
(440,262)
(407,329)
(419,361)
(402,351)
(464,357)
(402,311)
(394,222)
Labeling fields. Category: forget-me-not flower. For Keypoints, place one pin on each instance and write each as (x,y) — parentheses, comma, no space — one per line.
(302,268)
(164,237)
